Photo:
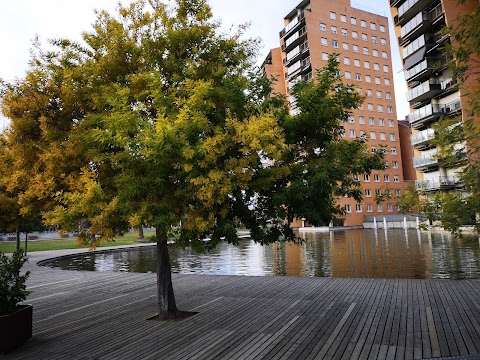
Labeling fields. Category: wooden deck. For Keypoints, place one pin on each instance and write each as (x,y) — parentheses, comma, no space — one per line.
(92,315)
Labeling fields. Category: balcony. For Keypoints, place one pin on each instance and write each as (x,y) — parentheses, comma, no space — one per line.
(414,27)
(424,91)
(452,108)
(300,67)
(425,115)
(437,183)
(420,71)
(396,3)
(296,54)
(409,9)
(294,40)
(294,24)
(426,162)
(421,140)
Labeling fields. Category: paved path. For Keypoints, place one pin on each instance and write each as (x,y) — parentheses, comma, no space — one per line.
(93,315)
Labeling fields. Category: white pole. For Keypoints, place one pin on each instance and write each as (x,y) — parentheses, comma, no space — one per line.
(405,222)
(375,222)
(385,223)
(418,223)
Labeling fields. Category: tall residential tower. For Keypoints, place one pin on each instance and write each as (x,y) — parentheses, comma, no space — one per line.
(313,30)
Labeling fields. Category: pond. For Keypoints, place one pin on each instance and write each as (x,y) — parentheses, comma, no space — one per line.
(352,253)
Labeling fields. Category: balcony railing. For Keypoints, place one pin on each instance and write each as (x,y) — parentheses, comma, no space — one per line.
(422,137)
(425,161)
(412,27)
(429,111)
(409,8)
(295,53)
(424,91)
(294,39)
(436,183)
(297,20)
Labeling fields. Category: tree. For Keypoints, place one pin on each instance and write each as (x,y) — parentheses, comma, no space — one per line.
(161,118)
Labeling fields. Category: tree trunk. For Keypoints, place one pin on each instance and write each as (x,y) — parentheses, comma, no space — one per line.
(26,240)
(167,309)
(140,232)
(18,238)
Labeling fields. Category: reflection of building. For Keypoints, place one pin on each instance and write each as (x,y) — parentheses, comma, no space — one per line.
(313,30)
(433,91)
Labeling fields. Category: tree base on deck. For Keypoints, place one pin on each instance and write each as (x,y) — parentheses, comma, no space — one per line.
(179,316)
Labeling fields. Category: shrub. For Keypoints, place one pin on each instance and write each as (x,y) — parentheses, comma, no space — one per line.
(12,284)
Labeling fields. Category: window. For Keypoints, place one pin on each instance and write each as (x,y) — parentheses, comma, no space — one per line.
(324,41)
(366,178)
(383,42)
(381,122)
(361,120)
(369,93)
(395,164)
(370,107)
(333,29)
(379,94)
(344,32)
(348,208)
(355,48)
(376,67)
(354,35)
(392,137)
(358,77)
(384,55)
(375,52)
(380,108)
(374,149)
(390,109)
(368,79)
(374,39)
(373,135)
(346,60)
(353,21)
(323,27)
(386,178)
(396,178)
(363,134)
(389,207)
(365,51)
(335,44)
(356,62)
(382,28)
(371,121)
(388,95)
(377,80)
(355,177)
(364,37)
(333,16)
(352,133)
(382,136)
(348,75)
(390,123)
(345,46)
(363,23)
(376,178)
(366,65)
(387,82)
(359,90)
(397,192)
(369,208)
(325,56)
(343,18)
(368,193)
(379,208)
(385,68)
(351,119)
(393,151)
(373,26)
(358,208)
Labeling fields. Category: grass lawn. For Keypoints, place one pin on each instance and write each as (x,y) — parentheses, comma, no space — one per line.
(60,244)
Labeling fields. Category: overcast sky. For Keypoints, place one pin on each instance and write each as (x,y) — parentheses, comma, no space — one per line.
(22,20)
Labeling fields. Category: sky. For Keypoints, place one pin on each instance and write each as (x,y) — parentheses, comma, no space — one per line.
(22,20)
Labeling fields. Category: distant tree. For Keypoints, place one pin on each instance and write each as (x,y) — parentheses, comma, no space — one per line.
(161,118)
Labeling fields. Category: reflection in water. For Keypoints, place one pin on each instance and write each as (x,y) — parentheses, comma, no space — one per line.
(405,254)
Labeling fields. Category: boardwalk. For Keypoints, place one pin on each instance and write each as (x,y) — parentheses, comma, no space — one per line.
(91,315)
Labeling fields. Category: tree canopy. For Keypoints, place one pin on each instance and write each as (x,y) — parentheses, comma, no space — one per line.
(160,117)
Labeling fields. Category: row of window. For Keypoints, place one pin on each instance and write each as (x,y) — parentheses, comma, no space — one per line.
(344,32)
(376,178)
(358,208)
(353,21)
(373,135)
(371,121)
(368,192)
(355,48)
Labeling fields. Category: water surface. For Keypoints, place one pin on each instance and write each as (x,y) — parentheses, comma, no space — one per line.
(352,253)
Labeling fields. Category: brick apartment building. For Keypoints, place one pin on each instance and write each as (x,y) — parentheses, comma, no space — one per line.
(313,30)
